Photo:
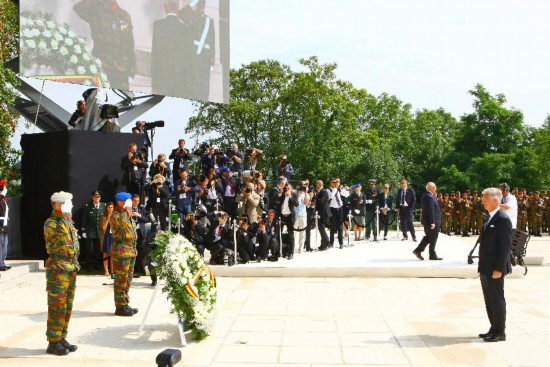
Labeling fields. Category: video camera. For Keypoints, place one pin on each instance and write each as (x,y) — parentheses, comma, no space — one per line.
(152,125)
(230,151)
(201,149)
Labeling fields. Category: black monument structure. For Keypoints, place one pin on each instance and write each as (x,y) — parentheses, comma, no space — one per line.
(75,161)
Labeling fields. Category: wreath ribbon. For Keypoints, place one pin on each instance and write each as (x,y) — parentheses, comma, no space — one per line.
(191,283)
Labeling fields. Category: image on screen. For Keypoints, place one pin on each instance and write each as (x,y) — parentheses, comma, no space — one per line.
(176,48)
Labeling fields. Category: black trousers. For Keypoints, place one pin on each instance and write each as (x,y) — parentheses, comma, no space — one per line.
(493,294)
(406,219)
(370,221)
(336,226)
(384,223)
(430,238)
(289,223)
(323,233)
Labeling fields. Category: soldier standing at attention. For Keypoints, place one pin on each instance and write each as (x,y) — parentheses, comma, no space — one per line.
(476,221)
(61,267)
(446,214)
(465,210)
(455,198)
(522,211)
(123,254)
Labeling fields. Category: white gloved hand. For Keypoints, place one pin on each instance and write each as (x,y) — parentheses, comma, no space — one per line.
(83,234)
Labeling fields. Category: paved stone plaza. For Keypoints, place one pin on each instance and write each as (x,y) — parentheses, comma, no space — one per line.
(331,320)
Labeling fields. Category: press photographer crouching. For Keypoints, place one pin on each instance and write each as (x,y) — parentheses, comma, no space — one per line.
(246,240)
(218,239)
(195,232)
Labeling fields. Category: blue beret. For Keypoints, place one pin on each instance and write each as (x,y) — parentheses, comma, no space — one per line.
(123,196)
(224,169)
(356,186)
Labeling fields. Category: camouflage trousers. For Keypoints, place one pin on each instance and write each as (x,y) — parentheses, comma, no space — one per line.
(124,273)
(535,224)
(464,224)
(60,287)
(446,224)
(522,223)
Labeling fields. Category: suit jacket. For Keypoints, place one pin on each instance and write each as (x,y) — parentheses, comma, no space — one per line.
(431,213)
(226,235)
(90,220)
(410,198)
(495,245)
(140,221)
(388,201)
(322,204)
(169,54)
(291,203)
(180,161)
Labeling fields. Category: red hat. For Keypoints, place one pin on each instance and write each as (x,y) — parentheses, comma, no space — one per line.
(3,182)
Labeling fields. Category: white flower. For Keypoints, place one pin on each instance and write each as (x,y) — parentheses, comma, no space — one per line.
(27,33)
(63,50)
(23,21)
(42,44)
(58,36)
(40,22)
(73,59)
(47,33)
(81,70)
(69,41)
(54,44)
(77,49)
(50,24)
(62,29)
(71,34)
(35,32)
(30,43)
(31,22)
(93,68)
(86,57)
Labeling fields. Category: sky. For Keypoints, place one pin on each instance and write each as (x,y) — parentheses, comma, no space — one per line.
(428,53)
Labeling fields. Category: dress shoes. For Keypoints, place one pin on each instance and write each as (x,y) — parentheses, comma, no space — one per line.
(124,311)
(495,338)
(70,347)
(485,335)
(414,239)
(385,238)
(323,248)
(57,348)
(291,256)
(418,254)
(134,310)
(405,239)
(3,268)
(434,257)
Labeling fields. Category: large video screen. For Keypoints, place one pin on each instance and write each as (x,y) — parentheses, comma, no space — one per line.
(176,48)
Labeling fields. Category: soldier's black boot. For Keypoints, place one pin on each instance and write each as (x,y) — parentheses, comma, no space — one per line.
(57,348)
(153,280)
(124,311)
(70,347)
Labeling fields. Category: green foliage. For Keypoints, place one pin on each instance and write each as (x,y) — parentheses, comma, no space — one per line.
(9,46)
(328,128)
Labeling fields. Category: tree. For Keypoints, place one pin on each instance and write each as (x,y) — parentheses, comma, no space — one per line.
(9,48)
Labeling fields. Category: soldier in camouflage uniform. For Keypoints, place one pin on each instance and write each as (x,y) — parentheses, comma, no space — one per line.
(61,267)
(546,213)
(464,213)
(534,211)
(454,221)
(447,210)
(123,253)
(522,212)
(476,221)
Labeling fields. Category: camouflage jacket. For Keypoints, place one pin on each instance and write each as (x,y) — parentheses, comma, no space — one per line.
(124,234)
(61,243)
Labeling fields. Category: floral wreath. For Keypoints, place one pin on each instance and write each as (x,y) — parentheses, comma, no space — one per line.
(45,42)
(190,284)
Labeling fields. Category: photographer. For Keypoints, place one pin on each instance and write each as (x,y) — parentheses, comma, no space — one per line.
(236,158)
(259,188)
(253,155)
(218,237)
(134,166)
(184,193)
(195,232)
(245,244)
(283,168)
(230,188)
(300,212)
(159,167)
(78,114)
(310,211)
(180,157)
(157,204)
(211,194)
(206,153)
(220,157)
(275,195)
(249,201)
(267,237)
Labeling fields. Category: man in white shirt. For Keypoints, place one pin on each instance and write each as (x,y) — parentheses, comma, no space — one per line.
(509,203)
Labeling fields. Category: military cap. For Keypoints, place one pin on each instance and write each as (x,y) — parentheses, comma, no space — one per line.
(475,192)
(372,180)
(537,192)
(61,197)
(353,187)
(96,193)
(530,194)
(446,194)
(122,196)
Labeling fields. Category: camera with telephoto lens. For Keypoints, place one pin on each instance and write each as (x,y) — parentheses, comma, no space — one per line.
(302,188)
(250,173)
(152,125)
(285,189)
(248,190)
(201,149)
(230,151)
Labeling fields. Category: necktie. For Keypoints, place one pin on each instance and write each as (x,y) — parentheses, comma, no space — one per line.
(403,196)
(487,219)
(338,201)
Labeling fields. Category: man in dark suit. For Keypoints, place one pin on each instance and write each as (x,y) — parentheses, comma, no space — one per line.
(431,220)
(405,203)
(139,217)
(385,205)
(171,47)
(180,157)
(323,210)
(495,245)
(289,201)
(218,237)
(91,231)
